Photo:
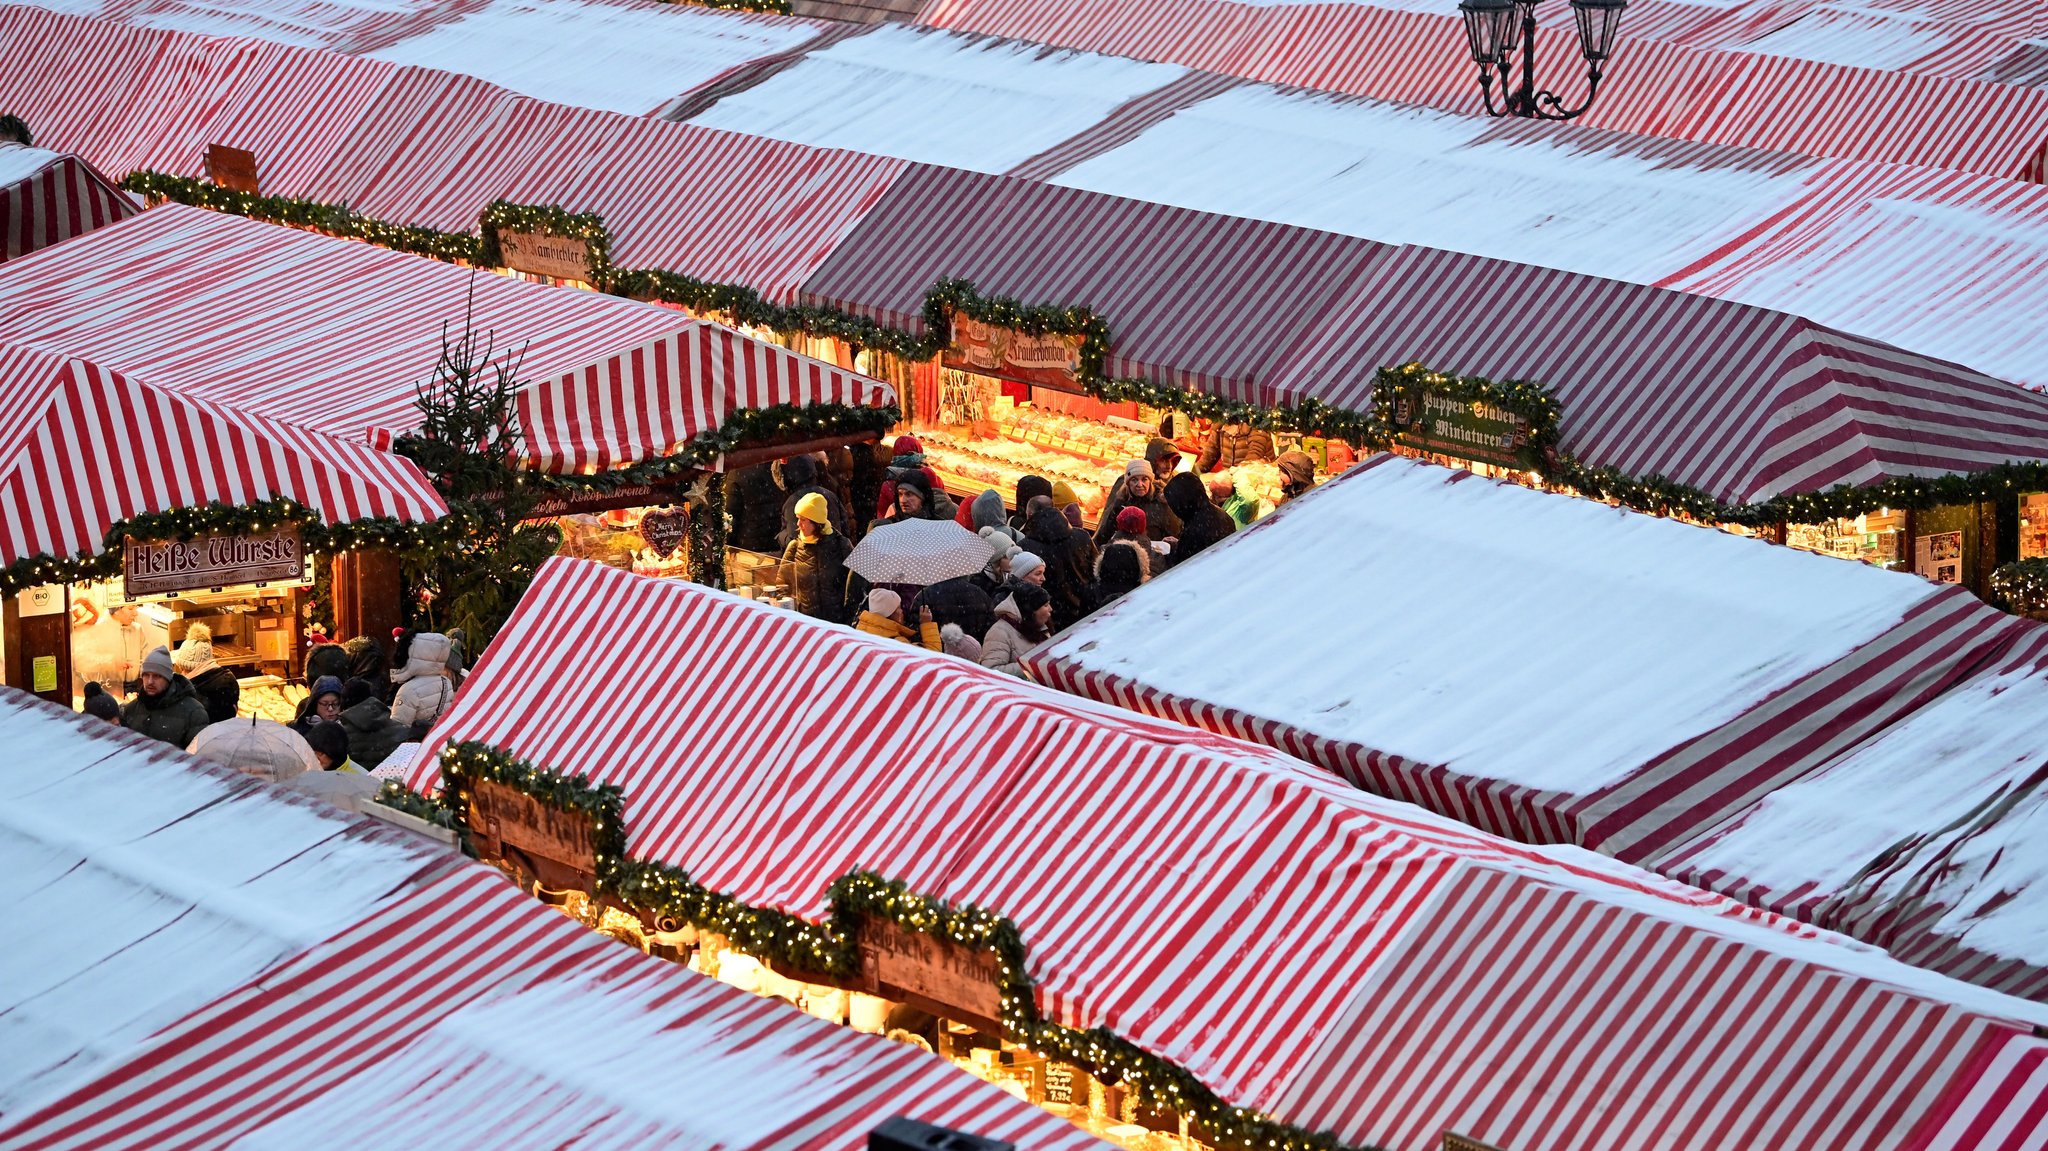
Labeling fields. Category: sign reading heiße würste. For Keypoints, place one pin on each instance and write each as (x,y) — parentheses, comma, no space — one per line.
(152,567)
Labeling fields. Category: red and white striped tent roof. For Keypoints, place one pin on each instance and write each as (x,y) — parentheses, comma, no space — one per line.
(1301,947)
(1567,672)
(1923,840)
(48,197)
(86,447)
(1741,402)
(335,336)
(202,960)
(1655,87)
(1204,301)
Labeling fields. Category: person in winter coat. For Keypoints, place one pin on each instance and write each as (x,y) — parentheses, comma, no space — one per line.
(1201,523)
(957,600)
(218,688)
(884,617)
(958,643)
(1021,622)
(331,749)
(321,705)
(366,660)
(426,684)
(1119,571)
(802,475)
(986,512)
(1130,530)
(1069,571)
(909,462)
(99,702)
(166,707)
(913,501)
(1026,567)
(372,732)
(1027,488)
(752,508)
(1001,551)
(1297,474)
(1067,502)
(323,660)
(1138,489)
(1233,444)
(814,564)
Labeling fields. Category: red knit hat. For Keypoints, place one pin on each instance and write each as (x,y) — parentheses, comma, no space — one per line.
(1131,521)
(908,445)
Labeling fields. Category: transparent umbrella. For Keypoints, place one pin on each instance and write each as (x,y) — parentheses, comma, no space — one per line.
(918,552)
(263,748)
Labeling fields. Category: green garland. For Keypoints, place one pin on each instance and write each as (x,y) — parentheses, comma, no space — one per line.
(396,795)
(2021,586)
(207,519)
(334,219)
(668,894)
(586,227)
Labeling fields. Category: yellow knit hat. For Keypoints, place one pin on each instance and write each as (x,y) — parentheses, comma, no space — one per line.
(811,506)
(1063,494)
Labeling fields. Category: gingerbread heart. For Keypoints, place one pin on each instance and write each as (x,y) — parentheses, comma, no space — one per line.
(665,529)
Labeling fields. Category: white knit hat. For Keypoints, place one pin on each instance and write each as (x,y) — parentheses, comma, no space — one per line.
(884,602)
(1024,563)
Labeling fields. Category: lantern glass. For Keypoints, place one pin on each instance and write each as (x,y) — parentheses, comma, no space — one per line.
(1598,20)
(1488,29)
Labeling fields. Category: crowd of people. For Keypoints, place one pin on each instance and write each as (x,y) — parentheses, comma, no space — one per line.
(1045,570)
(360,707)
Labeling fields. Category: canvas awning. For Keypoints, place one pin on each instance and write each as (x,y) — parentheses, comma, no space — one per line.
(334,336)
(48,197)
(203,961)
(1301,947)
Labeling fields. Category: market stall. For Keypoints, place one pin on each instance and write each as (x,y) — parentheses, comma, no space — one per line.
(1567,673)
(111,559)
(290,326)
(237,987)
(1167,936)
(48,197)
(1197,302)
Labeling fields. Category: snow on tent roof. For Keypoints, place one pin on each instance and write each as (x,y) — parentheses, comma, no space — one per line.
(1945,264)
(142,886)
(1927,839)
(1300,946)
(1002,101)
(48,197)
(334,335)
(84,448)
(617,55)
(203,960)
(1653,87)
(1542,667)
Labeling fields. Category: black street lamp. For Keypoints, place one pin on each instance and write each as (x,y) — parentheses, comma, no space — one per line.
(1489,31)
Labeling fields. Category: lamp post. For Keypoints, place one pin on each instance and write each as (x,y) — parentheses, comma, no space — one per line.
(1489,32)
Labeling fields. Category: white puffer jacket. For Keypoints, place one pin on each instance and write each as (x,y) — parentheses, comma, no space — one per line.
(426,689)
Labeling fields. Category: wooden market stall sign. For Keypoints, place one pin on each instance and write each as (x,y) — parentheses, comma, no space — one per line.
(1047,361)
(232,168)
(154,567)
(554,840)
(543,254)
(1429,421)
(898,963)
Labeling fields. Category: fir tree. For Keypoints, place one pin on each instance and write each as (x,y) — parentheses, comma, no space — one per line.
(472,447)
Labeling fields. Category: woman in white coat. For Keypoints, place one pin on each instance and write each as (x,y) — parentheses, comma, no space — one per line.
(426,682)
(1021,622)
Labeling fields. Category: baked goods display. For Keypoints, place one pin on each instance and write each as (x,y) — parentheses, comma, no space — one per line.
(267,697)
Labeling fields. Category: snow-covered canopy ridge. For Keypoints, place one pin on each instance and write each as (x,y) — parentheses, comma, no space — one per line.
(1299,945)
(199,960)
(47,197)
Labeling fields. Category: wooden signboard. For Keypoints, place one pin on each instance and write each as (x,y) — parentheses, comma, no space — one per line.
(1047,361)
(541,254)
(1430,421)
(232,168)
(502,816)
(1456,1142)
(896,961)
(153,567)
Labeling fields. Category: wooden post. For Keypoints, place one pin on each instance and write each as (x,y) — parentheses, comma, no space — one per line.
(43,639)
(367,586)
